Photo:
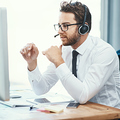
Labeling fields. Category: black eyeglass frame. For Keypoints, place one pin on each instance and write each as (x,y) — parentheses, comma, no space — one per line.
(66,25)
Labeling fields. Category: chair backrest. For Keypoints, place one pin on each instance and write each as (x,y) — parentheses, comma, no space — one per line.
(118,53)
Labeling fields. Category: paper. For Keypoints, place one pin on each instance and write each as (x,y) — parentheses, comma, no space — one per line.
(56,109)
(50,108)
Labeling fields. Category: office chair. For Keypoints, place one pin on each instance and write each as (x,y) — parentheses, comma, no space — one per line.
(118,53)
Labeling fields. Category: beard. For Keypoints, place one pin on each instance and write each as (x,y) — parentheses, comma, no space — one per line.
(72,39)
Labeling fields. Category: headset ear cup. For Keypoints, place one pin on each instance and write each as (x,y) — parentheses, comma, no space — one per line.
(83,29)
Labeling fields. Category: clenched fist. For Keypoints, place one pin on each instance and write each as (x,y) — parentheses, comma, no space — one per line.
(54,54)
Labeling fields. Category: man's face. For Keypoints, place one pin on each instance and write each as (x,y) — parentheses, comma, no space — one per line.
(71,36)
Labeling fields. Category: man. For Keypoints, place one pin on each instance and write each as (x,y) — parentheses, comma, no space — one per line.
(95,76)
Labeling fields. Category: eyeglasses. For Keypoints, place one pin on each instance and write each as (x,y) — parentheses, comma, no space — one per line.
(64,27)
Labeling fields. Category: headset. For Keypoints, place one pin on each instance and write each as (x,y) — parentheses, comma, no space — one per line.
(84,28)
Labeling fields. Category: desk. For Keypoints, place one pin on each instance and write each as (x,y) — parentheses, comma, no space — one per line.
(88,111)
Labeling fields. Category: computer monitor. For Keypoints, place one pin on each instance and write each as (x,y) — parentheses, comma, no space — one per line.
(4,69)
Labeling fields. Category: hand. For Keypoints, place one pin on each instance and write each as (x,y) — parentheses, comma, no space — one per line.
(30,53)
(54,54)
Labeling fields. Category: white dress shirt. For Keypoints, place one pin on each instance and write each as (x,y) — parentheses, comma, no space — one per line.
(97,74)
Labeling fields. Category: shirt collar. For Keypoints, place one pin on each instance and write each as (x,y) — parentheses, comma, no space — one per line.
(83,47)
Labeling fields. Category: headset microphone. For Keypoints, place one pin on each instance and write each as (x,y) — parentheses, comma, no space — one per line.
(56,35)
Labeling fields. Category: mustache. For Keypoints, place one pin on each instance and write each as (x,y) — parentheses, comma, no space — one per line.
(63,36)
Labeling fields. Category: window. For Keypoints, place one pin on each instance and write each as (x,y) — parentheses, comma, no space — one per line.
(32,21)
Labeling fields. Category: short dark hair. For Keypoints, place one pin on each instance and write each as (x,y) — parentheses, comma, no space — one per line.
(78,9)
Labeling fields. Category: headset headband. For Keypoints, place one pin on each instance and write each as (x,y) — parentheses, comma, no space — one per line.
(84,14)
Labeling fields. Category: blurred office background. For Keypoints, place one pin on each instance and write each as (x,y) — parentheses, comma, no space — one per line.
(33,20)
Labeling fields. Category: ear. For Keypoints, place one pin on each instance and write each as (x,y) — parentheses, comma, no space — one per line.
(83,29)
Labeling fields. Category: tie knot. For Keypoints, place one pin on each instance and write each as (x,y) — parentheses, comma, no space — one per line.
(75,53)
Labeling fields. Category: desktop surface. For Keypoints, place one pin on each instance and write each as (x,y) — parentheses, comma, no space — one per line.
(91,111)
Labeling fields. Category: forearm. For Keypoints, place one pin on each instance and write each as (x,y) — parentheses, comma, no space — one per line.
(76,88)
(41,83)
(36,80)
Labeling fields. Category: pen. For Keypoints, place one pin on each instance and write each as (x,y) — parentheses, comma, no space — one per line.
(31,107)
(22,105)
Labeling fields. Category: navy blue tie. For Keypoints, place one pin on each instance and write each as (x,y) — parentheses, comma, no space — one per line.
(74,60)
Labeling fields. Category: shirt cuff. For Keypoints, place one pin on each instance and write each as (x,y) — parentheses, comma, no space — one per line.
(62,71)
(34,75)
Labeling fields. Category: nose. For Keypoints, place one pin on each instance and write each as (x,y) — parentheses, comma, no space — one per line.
(60,31)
